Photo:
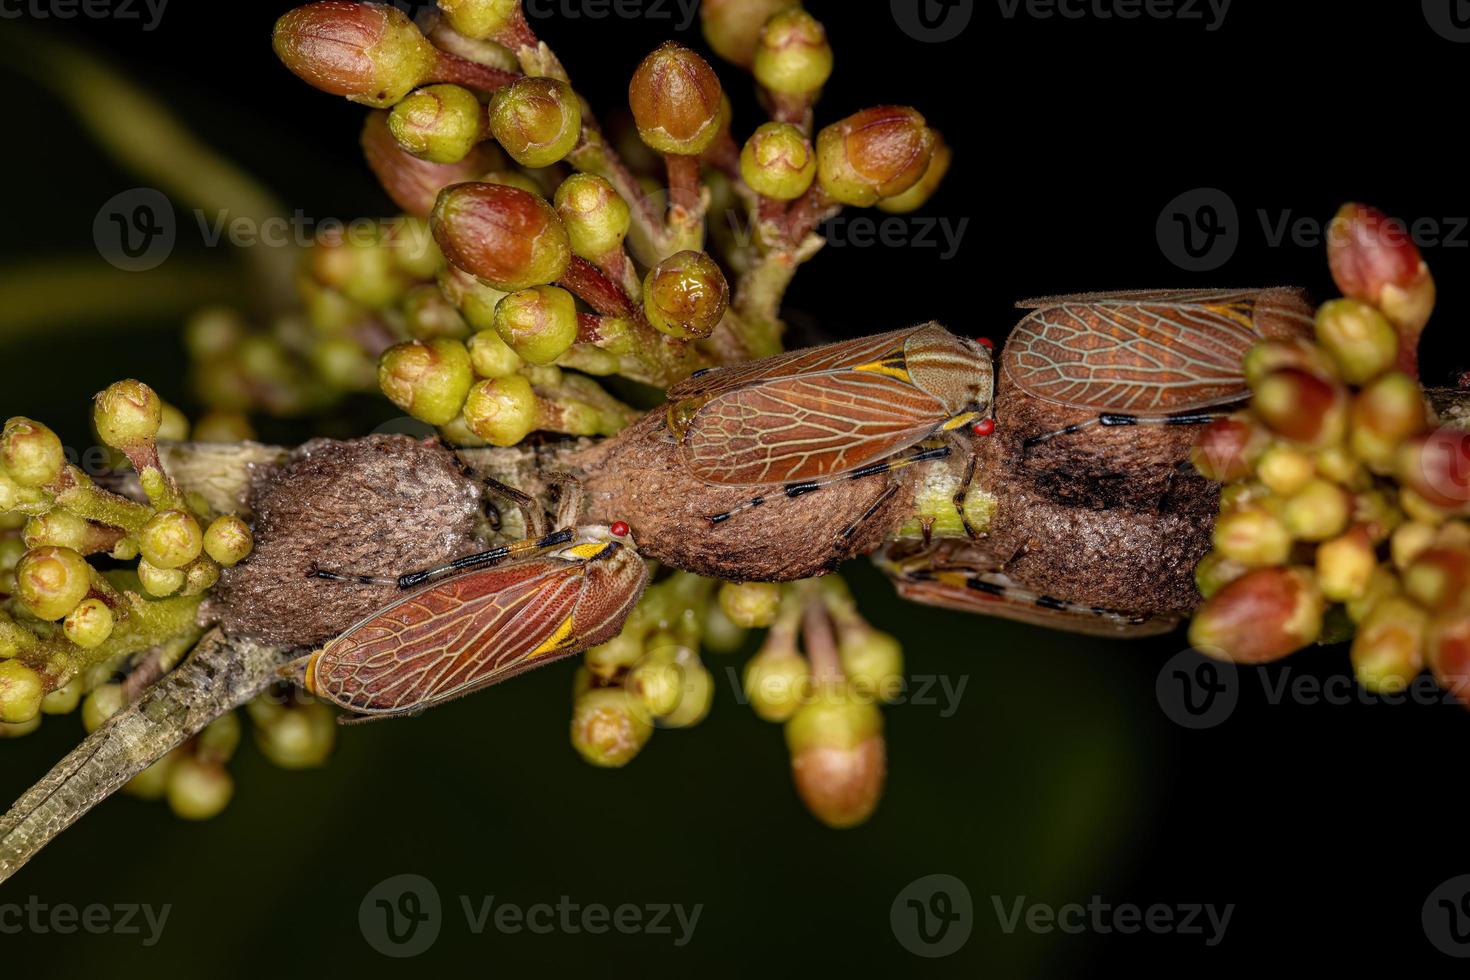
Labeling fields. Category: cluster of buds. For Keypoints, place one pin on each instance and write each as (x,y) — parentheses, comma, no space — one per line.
(1346,508)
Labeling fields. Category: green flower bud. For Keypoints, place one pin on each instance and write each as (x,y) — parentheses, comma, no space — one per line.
(173,426)
(89,624)
(675,97)
(30,453)
(199,790)
(171,539)
(1384,415)
(414,251)
(720,634)
(918,195)
(539,324)
(299,737)
(1252,535)
(837,757)
(608,728)
(733,27)
(1215,571)
(51,581)
(686,295)
(594,213)
(505,236)
(777,682)
(1359,338)
(479,19)
(200,577)
(152,782)
(1345,565)
(414,184)
(21,691)
(427,379)
(160,582)
(62,529)
(438,123)
(792,55)
(105,701)
(502,411)
(751,605)
(537,120)
(428,315)
(873,662)
(64,700)
(696,699)
(228,540)
(1387,652)
(657,681)
(512,178)
(475,301)
(877,153)
(1318,511)
(370,53)
(778,162)
(221,426)
(127,414)
(491,356)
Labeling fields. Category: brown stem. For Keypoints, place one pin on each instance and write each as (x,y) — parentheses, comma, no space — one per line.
(817,637)
(461,71)
(684,188)
(589,284)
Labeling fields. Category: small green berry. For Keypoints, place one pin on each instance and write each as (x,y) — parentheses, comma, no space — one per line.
(30,453)
(427,379)
(491,356)
(199,790)
(89,624)
(438,123)
(160,582)
(171,539)
(792,54)
(228,540)
(596,217)
(127,414)
(51,581)
(64,700)
(778,162)
(479,19)
(686,295)
(105,701)
(608,728)
(502,411)
(750,605)
(536,120)
(21,691)
(539,324)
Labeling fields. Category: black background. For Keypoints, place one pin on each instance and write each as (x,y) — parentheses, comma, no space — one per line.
(1059,777)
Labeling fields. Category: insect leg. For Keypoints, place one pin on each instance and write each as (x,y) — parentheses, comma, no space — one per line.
(1114,420)
(867,515)
(792,490)
(569,508)
(480,560)
(530,510)
(962,494)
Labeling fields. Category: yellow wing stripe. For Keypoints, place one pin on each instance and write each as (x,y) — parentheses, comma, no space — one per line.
(893,369)
(555,641)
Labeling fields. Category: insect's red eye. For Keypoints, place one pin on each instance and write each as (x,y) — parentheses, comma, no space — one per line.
(984,427)
(985,342)
(620,529)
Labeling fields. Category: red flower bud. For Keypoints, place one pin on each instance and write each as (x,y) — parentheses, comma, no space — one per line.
(1374,259)
(1262,616)
(1225,449)
(1436,465)
(371,53)
(676,101)
(1302,407)
(504,236)
(877,153)
(414,184)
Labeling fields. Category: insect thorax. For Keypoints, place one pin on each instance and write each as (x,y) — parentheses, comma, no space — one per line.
(953,370)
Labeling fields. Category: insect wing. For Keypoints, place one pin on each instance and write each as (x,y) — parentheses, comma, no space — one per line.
(451,638)
(967,594)
(812,361)
(1135,355)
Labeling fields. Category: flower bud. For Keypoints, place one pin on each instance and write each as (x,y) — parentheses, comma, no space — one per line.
(539,324)
(1359,338)
(608,729)
(438,123)
(777,681)
(228,540)
(1339,465)
(837,757)
(21,691)
(594,213)
(696,698)
(676,101)
(427,379)
(1252,535)
(502,411)
(1384,415)
(89,624)
(503,235)
(733,27)
(538,121)
(30,453)
(1270,356)
(1345,565)
(877,153)
(1226,447)
(1302,407)
(1388,650)
(370,53)
(1439,579)
(298,737)
(171,539)
(1375,260)
(412,183)
(1285,470)
(1318,511)
(152,782)
(686,295)
(51,581)
(479,19)
(428,314)
(199,790)
(751,605)
(1215,571)
(872,660)
(1436,466)
(1447,650)
(918,195)
(1262,616)
(65,699)
(160,582)
(657,681)
(491,356)
(778,162)
(220,738)
(104,701)
(1409,541)
(719,634)
(127,414)
(620,653)
(792,54)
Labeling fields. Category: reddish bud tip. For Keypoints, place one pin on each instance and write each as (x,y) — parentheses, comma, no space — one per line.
(1374,259)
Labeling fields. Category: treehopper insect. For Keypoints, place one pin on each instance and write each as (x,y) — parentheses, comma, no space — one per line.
(481,620)
(792,424)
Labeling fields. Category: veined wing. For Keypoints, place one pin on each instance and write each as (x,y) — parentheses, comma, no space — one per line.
(798,363)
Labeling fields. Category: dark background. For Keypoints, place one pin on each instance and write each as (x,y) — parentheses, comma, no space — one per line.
(1059,777)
